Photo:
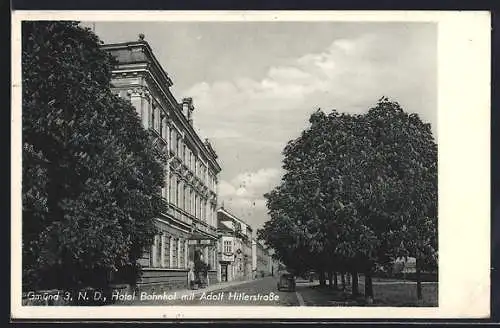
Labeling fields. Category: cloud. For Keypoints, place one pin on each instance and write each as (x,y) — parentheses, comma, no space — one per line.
(347,74)
(226,133)
(254,181)
(250,185)
(258,116)
(268,112)
(226,190)
(244,194)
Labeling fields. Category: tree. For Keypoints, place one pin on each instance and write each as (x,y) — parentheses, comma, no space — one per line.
(410,154)
(91,174)
(359,186)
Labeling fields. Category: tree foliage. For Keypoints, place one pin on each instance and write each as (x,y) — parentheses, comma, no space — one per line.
(358,191)
(90,171)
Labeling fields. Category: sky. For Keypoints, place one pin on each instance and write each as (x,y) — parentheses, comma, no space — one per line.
(255,84)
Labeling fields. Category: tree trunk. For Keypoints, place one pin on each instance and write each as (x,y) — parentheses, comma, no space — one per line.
(355,291)
(368,287)
(330,279)
(322,279)
(343,281)
(335,281)
(419,281)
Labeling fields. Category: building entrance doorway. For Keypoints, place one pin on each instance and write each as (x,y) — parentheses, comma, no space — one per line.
(223,272)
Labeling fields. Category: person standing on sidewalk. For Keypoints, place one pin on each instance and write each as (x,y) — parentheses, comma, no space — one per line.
(191,275)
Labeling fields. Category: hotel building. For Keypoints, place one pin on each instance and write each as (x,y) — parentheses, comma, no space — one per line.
(188,220)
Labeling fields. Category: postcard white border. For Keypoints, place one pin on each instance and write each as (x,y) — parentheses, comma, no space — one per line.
(464,168)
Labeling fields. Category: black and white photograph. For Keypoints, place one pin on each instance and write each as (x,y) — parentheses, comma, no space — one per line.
(247,163)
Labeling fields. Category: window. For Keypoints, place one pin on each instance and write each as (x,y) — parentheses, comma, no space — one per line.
(191,197)
(151,116)
(171,189)
(181,195)
(155,250)
(178,145)
(181,153)
(154,118)
(181,253)
(166,251)
(165,128)
(172,140)
(185,198)
(158,119)
(198,207)
(177,193)
(195,210)
(228,246)
(160,131)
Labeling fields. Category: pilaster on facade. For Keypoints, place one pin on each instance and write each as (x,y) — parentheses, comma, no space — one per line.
(186,254)
(171,252)
(162,250)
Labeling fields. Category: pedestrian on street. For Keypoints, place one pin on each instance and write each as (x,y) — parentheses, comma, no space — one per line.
(191,278)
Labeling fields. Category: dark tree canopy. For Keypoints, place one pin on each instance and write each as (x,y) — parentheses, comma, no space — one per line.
(90,171)
(358,191)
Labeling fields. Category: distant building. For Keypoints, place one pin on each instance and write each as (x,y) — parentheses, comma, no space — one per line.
(262,261)
(402,265)
(234,247)
(187,222)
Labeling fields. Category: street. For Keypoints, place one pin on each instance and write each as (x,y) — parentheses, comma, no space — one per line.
(261,292)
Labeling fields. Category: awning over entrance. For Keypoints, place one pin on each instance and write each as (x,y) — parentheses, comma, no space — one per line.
(202,242)
(199,238)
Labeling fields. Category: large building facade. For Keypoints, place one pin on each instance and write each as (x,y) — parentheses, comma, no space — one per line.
(234,248)
(188,220)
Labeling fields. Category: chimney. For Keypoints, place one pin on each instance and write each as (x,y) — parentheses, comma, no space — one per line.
(187,109)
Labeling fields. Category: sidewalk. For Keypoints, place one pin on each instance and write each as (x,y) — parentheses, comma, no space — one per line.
(179,293)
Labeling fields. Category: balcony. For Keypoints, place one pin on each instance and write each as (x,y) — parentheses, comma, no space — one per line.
(158,140)
(205,227)
(175,212)
(187,218)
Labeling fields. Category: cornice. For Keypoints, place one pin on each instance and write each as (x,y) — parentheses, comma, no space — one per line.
(161,79)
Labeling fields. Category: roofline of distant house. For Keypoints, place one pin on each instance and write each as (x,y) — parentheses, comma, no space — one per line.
(233,216)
